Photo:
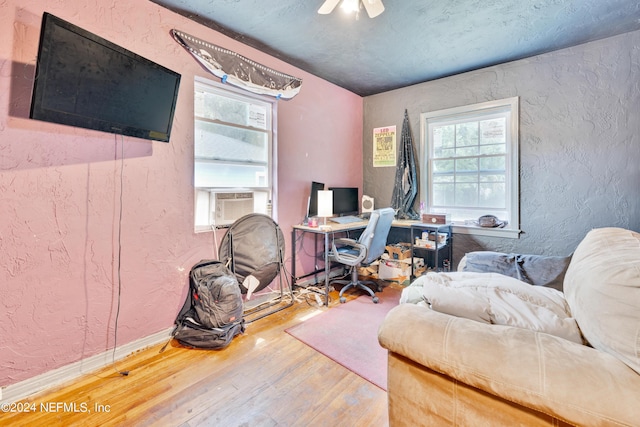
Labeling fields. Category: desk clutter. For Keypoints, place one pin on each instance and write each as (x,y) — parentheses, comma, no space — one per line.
(428,240)
(395,264)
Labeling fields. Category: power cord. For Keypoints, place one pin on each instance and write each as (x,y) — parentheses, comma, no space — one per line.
(313,295)
(115,332)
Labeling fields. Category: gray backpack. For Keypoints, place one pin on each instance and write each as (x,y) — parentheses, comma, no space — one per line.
(213,311)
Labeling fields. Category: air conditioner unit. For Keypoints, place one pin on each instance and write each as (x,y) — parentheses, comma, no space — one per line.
(231,206)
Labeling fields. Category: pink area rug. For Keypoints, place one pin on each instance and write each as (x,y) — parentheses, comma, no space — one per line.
(348,334)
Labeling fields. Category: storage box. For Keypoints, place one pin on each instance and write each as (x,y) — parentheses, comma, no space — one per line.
(425,243)
(399,250)
(395,270)
(442,237)
(436,218)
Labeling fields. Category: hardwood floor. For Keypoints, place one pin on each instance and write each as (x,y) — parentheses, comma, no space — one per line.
(264,378)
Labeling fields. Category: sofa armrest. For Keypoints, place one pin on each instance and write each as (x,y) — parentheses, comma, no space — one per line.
(569,381)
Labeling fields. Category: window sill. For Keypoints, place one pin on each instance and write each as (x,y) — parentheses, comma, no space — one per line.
(209,228)
(202,228)
(507,233)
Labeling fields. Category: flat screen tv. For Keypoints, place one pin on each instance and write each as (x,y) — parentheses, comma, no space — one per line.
(345,201)
(86,81)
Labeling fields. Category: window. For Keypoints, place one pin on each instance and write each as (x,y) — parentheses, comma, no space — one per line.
(234,150)
(470,156)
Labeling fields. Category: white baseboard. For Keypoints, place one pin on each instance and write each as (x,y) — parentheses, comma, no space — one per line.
(67,373)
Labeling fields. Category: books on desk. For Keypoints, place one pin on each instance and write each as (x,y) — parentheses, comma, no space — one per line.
(347,219)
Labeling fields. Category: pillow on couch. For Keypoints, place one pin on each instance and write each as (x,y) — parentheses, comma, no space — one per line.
(497,299)
(537,270)
(602,287)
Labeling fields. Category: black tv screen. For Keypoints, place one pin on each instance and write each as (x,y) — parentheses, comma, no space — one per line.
(345,201)
(86,81)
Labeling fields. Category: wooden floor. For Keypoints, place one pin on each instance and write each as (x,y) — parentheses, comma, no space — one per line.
(264,378)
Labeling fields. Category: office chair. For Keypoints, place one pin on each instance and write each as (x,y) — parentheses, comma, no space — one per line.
(369,247)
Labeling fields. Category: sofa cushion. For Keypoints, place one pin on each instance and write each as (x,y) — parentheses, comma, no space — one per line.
(496,299)
(602,288)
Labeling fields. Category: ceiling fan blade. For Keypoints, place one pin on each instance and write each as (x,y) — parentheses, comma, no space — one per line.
(328,6)
(373,7)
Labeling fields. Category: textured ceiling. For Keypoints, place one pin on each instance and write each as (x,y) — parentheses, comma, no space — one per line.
(413,41)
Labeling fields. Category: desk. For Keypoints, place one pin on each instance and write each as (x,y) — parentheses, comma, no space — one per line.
(333,228)
(329,230)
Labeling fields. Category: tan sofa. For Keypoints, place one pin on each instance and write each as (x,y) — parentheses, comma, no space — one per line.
(449,370)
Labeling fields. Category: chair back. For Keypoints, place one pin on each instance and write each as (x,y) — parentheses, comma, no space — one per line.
(374,237)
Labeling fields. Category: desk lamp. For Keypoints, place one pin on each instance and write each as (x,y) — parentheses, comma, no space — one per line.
(325,205)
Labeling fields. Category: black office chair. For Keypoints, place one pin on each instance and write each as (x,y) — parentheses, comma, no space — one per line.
(369,247)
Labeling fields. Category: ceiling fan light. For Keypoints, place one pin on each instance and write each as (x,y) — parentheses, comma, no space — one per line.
(373,7)
(349,6)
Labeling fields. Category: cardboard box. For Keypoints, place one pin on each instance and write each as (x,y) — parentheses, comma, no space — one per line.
(398,270)
(425,243)
(369,271)
(394,271)
(420,271)
(428,240)
(417,262)
(399,250)
(442,237)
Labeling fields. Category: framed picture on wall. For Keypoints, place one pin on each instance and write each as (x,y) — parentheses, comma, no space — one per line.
(384,146)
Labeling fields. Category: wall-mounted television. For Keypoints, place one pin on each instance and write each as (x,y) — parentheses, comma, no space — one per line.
(86,81)
(345,201)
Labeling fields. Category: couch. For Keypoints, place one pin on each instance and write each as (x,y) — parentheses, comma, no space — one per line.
(446,369)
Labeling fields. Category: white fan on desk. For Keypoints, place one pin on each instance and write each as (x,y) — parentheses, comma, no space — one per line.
(373,7)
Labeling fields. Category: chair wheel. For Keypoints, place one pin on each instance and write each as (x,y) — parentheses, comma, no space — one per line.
(375,300)
(343,300)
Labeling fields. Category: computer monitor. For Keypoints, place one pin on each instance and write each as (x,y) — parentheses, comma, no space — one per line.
(313,198)
(345,201)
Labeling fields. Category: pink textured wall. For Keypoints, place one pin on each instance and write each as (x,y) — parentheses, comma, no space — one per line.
(60,191)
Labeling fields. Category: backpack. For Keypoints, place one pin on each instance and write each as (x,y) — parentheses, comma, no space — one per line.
(213,311)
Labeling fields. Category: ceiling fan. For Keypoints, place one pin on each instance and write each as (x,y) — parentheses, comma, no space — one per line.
(373,7)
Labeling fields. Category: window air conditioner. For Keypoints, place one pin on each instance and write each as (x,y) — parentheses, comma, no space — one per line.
(231,206)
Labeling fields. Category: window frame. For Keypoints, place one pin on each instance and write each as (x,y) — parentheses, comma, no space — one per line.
(472,112)
(272,167)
